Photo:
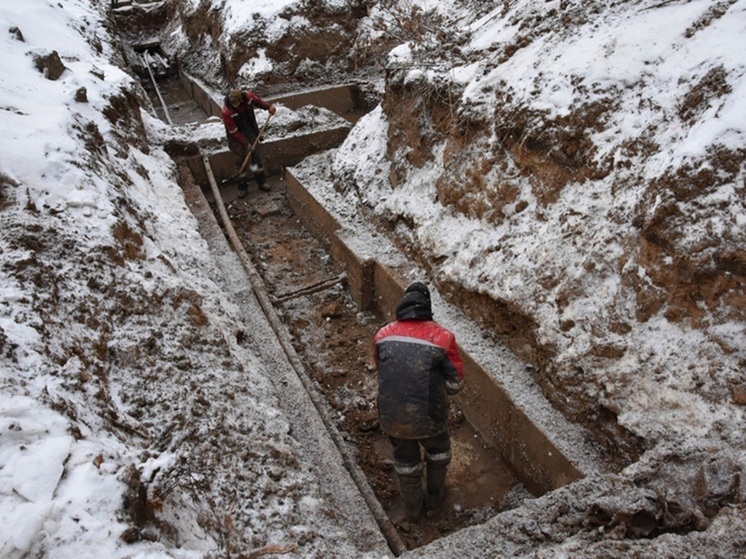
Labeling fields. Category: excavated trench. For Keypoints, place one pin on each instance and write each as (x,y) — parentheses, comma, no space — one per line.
(330,292)
(332,338)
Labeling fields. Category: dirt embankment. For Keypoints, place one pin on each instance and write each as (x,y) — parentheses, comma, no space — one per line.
(319,47)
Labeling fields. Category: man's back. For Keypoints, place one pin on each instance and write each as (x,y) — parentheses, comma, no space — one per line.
(416,359)
(419,365)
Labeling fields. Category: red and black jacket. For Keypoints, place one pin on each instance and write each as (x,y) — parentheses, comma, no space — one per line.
(418,365)
(240,123)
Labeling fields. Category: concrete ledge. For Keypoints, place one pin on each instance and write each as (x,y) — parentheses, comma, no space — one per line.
(340,99)
(536,460)
(198,92)
(314,216)
(277,154)
(289,151)
(359,270)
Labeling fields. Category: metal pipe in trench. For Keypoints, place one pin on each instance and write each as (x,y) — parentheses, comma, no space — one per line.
(382,519)
(309,289)
(146,59)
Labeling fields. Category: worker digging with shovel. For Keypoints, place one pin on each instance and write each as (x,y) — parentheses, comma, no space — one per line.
(243,136)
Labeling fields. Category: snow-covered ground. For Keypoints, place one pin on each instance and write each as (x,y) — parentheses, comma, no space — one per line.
(121,349)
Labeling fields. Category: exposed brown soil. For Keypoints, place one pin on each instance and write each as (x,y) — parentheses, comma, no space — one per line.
(333,340)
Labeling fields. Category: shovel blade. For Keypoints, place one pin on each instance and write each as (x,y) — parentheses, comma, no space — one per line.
(232,179)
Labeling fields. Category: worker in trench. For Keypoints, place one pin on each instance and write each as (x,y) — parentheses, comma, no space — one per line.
(242,131)
(419,366)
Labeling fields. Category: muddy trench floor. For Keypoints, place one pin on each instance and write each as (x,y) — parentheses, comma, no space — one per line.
(333,340)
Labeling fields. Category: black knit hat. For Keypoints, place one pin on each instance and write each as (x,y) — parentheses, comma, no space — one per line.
(419,287)
(415,305)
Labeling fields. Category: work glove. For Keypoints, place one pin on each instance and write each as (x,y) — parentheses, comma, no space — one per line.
(454,387)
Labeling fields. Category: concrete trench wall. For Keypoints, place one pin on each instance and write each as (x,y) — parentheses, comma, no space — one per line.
(378,284)
(200,94)
(277,154)
(342,99)
(537,461)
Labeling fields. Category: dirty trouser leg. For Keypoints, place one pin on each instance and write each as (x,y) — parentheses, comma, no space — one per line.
(437,457)
(257,165)
(239,154)
(408,467)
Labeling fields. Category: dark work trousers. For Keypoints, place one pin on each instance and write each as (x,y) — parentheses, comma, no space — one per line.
(256,163)
(408,452)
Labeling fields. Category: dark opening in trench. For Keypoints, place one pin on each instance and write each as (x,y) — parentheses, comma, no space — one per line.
(499,457)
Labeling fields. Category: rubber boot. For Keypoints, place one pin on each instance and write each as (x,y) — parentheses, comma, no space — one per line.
(411,490)
(243,188)
(436,485)
(261,180)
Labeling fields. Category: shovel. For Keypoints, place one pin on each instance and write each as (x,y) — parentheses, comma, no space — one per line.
(242,170)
